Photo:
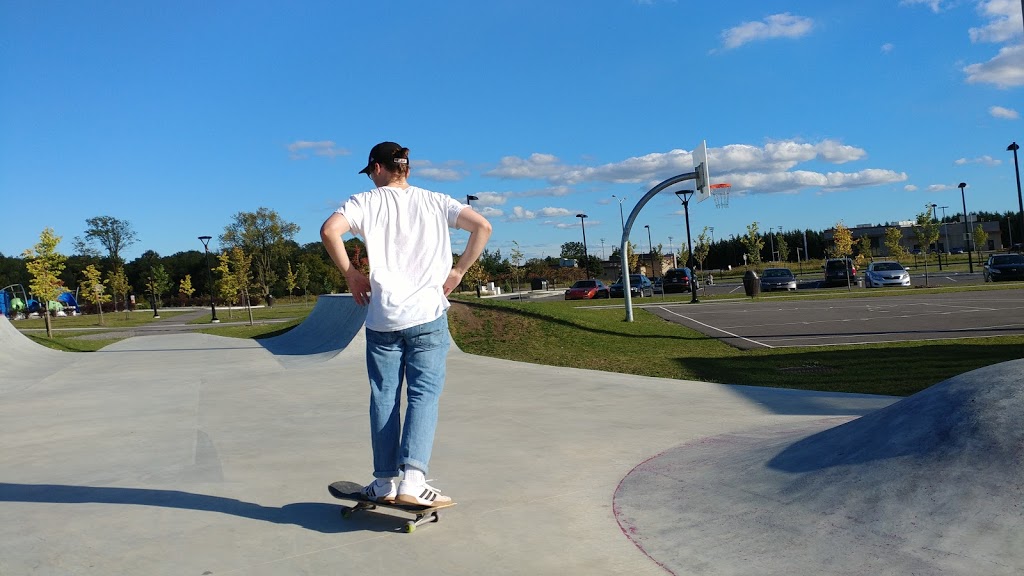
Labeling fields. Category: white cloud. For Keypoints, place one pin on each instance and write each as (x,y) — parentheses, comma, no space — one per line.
(887,48)
(783,25)
(489,212)
(302,148)
(439,174)
(551,212)
(910,188)
(1004,24)
(1005,69)
(939,187)
(985,160)
(1004,113)
(489,199)
(934,5)
(520,213)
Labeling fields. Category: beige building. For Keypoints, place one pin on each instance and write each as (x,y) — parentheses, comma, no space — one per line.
(951,236)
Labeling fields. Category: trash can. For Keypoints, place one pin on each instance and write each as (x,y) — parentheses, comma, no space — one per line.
(270,300)
(751,284)
(539,284)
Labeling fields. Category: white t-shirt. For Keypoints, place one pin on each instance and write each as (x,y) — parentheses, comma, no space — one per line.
(410,252)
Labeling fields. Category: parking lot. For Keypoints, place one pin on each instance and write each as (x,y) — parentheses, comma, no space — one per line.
(782,323)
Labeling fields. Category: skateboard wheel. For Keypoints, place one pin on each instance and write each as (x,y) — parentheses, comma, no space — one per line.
(410,526)
(346,511)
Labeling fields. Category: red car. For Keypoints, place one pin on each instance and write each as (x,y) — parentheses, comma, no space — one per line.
(587,290)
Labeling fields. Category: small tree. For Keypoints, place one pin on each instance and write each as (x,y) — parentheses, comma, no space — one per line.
(241,269)
(700,254)
(118,282)
(227,288)
(93,289)
(980,239)
(290,280)
(894,244)
(926,231)
(753,243)
(45,264)
(863,249)
(516,259)
(158,283)
(185,287)
(842,241)
(302,278)
(780,245)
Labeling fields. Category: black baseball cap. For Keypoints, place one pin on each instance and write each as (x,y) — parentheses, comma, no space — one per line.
(383,153)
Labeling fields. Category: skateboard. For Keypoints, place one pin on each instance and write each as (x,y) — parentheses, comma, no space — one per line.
(343,490)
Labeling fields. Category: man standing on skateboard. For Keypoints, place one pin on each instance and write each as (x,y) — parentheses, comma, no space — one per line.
(405,229)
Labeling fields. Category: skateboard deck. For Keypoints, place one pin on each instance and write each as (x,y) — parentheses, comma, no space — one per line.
(344,490)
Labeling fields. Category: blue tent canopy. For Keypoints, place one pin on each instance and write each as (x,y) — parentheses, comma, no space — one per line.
(68,300)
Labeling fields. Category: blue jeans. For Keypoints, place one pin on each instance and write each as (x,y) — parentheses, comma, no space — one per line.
(419,356)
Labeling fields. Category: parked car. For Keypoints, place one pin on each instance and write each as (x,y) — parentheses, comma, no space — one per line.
(677,280)
(1004,267)
(587,290)
(639,286)
(839,271)
(957,251)
(777,279)
(658,287)
(886,274)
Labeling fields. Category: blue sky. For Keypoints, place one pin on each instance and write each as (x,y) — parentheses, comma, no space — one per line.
(175,116)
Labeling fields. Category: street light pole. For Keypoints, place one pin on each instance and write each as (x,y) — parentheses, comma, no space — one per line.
(650,247)
(684,196)
(586,256)
(672,250)
(621,220)
(1020,200)
(209,276)
(967,234)
(470,197)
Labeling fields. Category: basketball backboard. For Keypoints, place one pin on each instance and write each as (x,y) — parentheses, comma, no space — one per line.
(700,166)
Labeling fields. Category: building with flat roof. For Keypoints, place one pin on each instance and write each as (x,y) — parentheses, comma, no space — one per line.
(952,236)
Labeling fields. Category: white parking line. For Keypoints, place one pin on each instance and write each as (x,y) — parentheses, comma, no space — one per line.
(717,329)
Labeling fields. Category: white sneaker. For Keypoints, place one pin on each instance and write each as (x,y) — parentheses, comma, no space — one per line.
(420,495)
(378,491)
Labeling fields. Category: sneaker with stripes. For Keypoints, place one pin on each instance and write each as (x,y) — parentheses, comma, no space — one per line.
(420,494)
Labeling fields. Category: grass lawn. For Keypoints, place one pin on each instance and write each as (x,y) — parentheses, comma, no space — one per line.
(69,344)
(555,334)
(111,320)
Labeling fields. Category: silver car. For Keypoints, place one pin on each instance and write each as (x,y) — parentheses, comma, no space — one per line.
(777,279)
(881,274)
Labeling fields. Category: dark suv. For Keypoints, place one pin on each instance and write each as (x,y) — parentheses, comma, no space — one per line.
(677,280)
(839,271)
(639,286)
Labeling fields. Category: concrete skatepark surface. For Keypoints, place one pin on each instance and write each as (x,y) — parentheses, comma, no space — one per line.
(197,454)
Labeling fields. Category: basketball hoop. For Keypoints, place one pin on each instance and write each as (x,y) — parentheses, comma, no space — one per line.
(720,193)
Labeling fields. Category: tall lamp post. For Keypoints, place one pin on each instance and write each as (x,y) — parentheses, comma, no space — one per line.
(586,256)
(967,234)
(209,276)
(672,250)
(650,247)
(1020,201)
(621,221)
(470,197)
(684,197)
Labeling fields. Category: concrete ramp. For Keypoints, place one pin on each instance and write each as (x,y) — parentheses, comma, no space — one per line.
(929,485)
(21,356)
(331,327)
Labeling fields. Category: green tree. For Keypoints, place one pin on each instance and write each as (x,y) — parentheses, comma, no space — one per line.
(863,249)
(700,253)
(753,243)
(783,248)
(241,268)
(158,282)
(516,259)
(227,284)
(118,282)
(44,265)
(980,239)
(842,241)
(926,232)
(94,289)
(264,236)
(291,280)
(302,279)
(185,287)
(894,243)
(112,234)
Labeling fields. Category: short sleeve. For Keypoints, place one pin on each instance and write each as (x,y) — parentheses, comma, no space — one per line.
(452,209)
(353,211)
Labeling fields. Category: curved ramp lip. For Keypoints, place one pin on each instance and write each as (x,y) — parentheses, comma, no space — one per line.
(331,326)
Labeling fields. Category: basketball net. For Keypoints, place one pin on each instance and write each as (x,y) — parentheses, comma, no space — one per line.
(720,193)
